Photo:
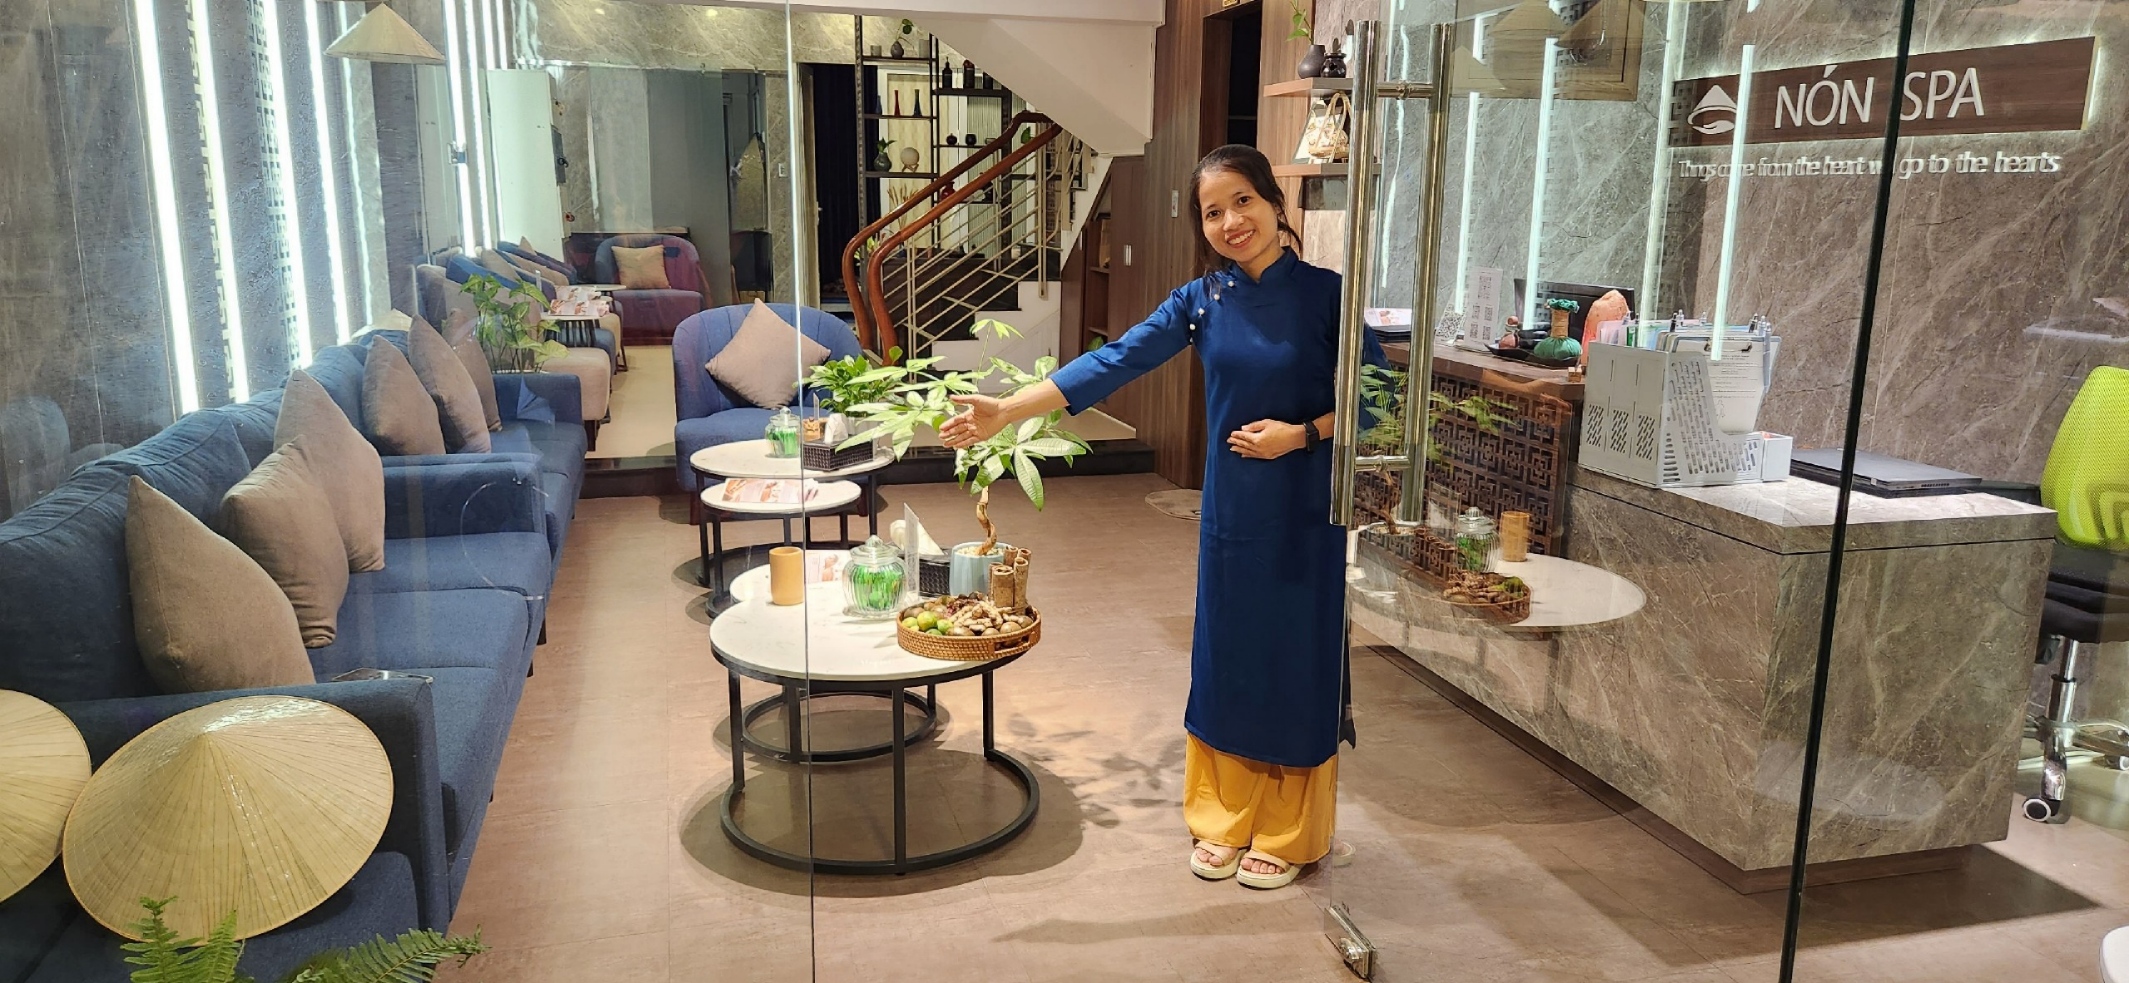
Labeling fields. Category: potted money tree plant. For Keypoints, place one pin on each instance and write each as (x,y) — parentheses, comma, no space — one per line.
(919,397)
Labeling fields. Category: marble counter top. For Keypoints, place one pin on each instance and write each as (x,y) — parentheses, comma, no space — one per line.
(1796,516)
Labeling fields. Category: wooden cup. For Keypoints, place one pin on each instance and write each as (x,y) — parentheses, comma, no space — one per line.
(787,575)
(1515,536)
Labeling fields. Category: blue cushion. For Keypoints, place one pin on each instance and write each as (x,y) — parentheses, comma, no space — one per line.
(254,421)
(66,612)
(561,499)
(473,712)
(31,920)
(460,269)
(195,461)
(339,370)
(421,630)
(513,561)
(378,901)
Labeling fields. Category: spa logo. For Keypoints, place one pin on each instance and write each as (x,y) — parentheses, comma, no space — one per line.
(1719,109)
(2013,88)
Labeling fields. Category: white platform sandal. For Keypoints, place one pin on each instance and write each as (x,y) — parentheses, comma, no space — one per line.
(1265,882)
(1210,872)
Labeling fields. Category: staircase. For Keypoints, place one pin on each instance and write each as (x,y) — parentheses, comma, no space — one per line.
(984,241)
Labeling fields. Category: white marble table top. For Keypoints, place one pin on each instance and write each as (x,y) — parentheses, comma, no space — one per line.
(750,459)
(814,640)
(1566,594)
(603,288)
(831,495)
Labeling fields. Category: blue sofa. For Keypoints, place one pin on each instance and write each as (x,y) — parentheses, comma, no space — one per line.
(711,414)
(472,542)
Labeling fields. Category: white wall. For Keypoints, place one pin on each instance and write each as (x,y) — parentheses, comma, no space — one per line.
(521,138)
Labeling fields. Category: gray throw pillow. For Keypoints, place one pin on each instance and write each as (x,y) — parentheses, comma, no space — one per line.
(766,359)
(205,616)
(494,260)
(281,517)
(343,462)
(461,413)
(400,414)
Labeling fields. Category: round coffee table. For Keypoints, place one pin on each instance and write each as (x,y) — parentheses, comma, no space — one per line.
(750,459)
(814,649)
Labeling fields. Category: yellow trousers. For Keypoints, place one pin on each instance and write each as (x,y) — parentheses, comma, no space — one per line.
(1239,802)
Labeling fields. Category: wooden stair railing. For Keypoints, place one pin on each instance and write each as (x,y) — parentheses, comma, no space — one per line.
(882,326)
(868,306)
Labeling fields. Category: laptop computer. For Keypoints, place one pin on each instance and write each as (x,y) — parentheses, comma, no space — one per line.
(1880,475)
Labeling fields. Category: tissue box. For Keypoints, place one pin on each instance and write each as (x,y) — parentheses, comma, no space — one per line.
(934,576)
(822,455)
(1765,457)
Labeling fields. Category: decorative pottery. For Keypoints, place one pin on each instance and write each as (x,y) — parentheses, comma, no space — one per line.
(951,140)
(1334,63)
(910,158)
(1311,64)
(897,49)
(972,141)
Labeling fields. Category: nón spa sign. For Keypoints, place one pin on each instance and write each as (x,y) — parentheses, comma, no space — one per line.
(2017,88)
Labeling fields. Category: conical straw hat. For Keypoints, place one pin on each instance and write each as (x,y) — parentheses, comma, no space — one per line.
(43,765)
(262,805)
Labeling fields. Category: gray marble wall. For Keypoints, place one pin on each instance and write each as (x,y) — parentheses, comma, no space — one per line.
(598,52)
(1998,292)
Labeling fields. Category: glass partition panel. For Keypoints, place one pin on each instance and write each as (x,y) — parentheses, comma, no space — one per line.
(1981,752)
(321,314)
(1583,643)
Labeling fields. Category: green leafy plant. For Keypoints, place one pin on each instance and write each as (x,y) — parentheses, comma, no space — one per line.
(1563,304)
(854,381)
(918,398)
(165,958)
(1382,397)
(1301,30)
(507,327)
(908,27)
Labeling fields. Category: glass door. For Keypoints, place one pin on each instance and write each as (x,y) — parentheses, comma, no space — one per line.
(1585,594)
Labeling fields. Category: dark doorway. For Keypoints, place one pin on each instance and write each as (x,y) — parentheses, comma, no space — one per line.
(835,165)
(1228,92)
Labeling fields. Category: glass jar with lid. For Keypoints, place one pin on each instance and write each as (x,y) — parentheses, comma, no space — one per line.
(782,433)
(873,580)
(1475,540)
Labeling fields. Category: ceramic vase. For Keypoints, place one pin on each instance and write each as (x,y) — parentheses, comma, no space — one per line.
(971,574)
(1311,64)
(897,49)
(1334,63)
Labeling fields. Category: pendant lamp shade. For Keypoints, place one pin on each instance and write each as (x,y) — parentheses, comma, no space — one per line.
(262,805)
(383,35)
(43,765)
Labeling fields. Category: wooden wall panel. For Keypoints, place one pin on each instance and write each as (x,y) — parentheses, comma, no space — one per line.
(1279,121)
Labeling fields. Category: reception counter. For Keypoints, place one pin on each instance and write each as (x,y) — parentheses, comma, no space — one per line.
(1695,705)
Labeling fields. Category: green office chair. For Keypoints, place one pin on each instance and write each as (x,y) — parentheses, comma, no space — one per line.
(2086,482)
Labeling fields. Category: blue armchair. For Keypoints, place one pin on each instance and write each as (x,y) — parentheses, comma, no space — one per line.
(711,414)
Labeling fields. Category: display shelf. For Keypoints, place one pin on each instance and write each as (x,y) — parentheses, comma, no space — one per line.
(894,116)
(973,93)
(1309,170)
(1307,88)
(908,175)
(895,60)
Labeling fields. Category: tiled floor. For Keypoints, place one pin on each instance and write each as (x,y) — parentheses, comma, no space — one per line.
(602,857)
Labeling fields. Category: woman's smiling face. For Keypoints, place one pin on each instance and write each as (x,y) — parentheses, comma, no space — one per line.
(1238,222)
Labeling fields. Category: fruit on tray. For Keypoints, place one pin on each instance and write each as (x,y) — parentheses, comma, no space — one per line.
(1474,587)
(964,616)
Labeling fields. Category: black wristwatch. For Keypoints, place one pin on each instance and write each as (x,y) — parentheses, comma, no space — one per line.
(1308,430)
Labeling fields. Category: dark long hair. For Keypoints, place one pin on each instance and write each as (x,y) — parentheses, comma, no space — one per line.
(1251,164)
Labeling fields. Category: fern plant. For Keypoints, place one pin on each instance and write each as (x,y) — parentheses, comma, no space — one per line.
(165,958)
(1382,394)
(917,398)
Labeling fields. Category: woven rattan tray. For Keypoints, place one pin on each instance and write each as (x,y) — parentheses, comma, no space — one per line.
(966,649)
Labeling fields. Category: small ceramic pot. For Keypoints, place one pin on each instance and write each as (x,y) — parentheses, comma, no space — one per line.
(971,574)
(897,49)
(1311,64)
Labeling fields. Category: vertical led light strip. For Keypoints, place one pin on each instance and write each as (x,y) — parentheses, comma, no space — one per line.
(1660,169)
(284,150)
(168,247)
(498,53)
(1537,185)
(478,93)
(1463,218)
(321,121)
(362,222)
(455,45)
(225,252)
(1721,327)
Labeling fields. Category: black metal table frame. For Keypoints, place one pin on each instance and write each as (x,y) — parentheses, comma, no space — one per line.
(710,531)
(795,691)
